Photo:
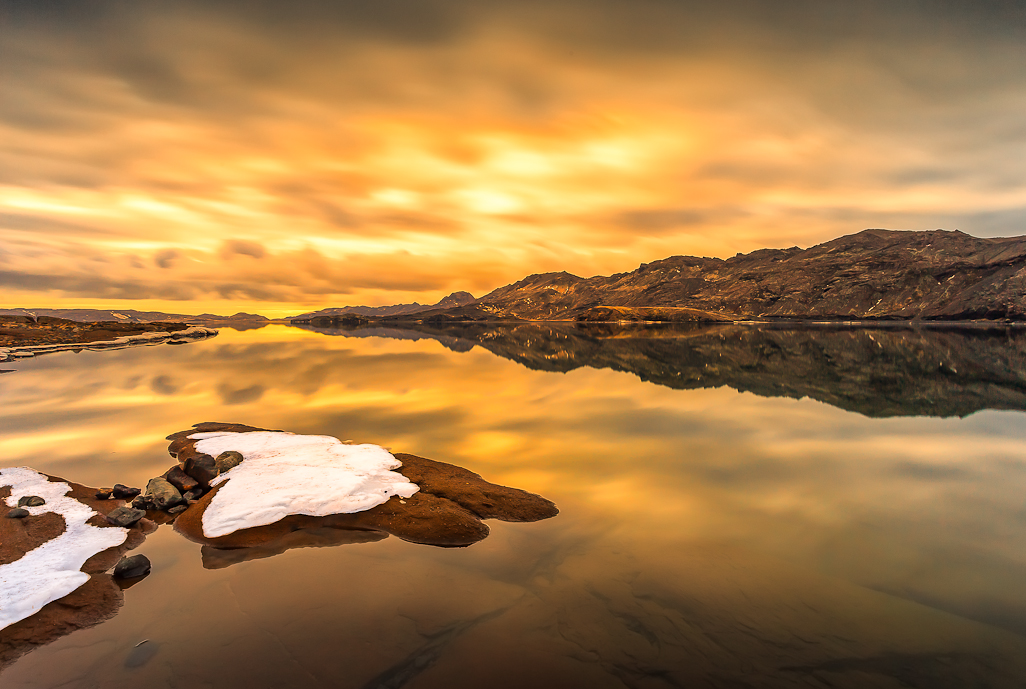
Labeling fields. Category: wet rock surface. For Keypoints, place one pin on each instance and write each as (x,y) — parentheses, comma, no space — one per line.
(202,468)
(162,494)
(125,516)
(181,480)
(132,567)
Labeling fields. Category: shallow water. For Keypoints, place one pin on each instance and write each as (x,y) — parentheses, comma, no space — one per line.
(862,535)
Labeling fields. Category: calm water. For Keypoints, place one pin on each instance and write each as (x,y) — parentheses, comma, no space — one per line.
(739,508)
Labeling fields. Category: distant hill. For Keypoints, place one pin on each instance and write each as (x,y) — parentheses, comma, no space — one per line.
(454,300)
(872,275)
(130,316)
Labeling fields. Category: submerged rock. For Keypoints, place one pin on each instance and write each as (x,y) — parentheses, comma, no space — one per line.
(162,494)
(132,567)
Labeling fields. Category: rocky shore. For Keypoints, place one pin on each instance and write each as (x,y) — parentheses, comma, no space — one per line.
(63,545)
(23,336)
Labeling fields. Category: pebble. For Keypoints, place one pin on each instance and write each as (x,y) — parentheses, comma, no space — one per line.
(31,501)
(17,513)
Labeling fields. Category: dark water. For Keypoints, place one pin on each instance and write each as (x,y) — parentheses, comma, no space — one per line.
(739,507)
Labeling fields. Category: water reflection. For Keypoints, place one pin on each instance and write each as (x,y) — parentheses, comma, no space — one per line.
(707,537)
(879,372)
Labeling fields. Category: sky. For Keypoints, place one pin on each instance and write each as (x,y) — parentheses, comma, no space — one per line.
(271,157)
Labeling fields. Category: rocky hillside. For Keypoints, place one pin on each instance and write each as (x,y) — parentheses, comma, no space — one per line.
(454,300)
(875,274)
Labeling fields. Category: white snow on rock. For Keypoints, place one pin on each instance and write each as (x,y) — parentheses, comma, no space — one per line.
(52,570)
(285,473)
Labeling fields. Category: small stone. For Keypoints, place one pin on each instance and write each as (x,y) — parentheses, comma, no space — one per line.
(228,460)
(104,493)
(162,494)
(17,513)
(31,501)
(123,492)
(203,468)
(141,502)
(181,480)
(178,509)
(125,516)
(194,494)
(131,567)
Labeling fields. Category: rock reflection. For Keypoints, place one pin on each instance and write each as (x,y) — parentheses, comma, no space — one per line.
(878,371)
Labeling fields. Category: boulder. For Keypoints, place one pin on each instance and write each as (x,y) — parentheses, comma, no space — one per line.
(228,460)
(131,567)
(31,501)
(17,513)
(202,467)
(162,494)
(181,480)
(123,492)
(125,516)
(142,502)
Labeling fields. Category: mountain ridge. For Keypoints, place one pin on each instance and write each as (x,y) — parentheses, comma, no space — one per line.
(870,275)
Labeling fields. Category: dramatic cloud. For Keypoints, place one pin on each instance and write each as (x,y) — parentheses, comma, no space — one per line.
(315,154)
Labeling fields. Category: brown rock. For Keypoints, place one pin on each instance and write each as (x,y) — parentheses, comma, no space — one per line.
(162,494)
(201,467)
(228,460)
(180,480)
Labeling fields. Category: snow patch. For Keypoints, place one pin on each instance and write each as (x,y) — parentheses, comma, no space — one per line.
(284,473)
(52,570)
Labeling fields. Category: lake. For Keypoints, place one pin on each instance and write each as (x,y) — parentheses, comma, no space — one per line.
(739,506)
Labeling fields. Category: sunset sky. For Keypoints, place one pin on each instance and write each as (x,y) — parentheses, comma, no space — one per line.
(275,157)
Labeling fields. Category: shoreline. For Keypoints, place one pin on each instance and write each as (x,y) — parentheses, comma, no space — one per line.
(155,337)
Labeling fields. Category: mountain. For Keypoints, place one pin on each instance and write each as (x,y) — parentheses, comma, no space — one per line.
(454,300)
(878,371)
(247,317)
(872,275)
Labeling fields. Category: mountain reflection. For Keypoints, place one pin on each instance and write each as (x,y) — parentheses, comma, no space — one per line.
(878,372)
